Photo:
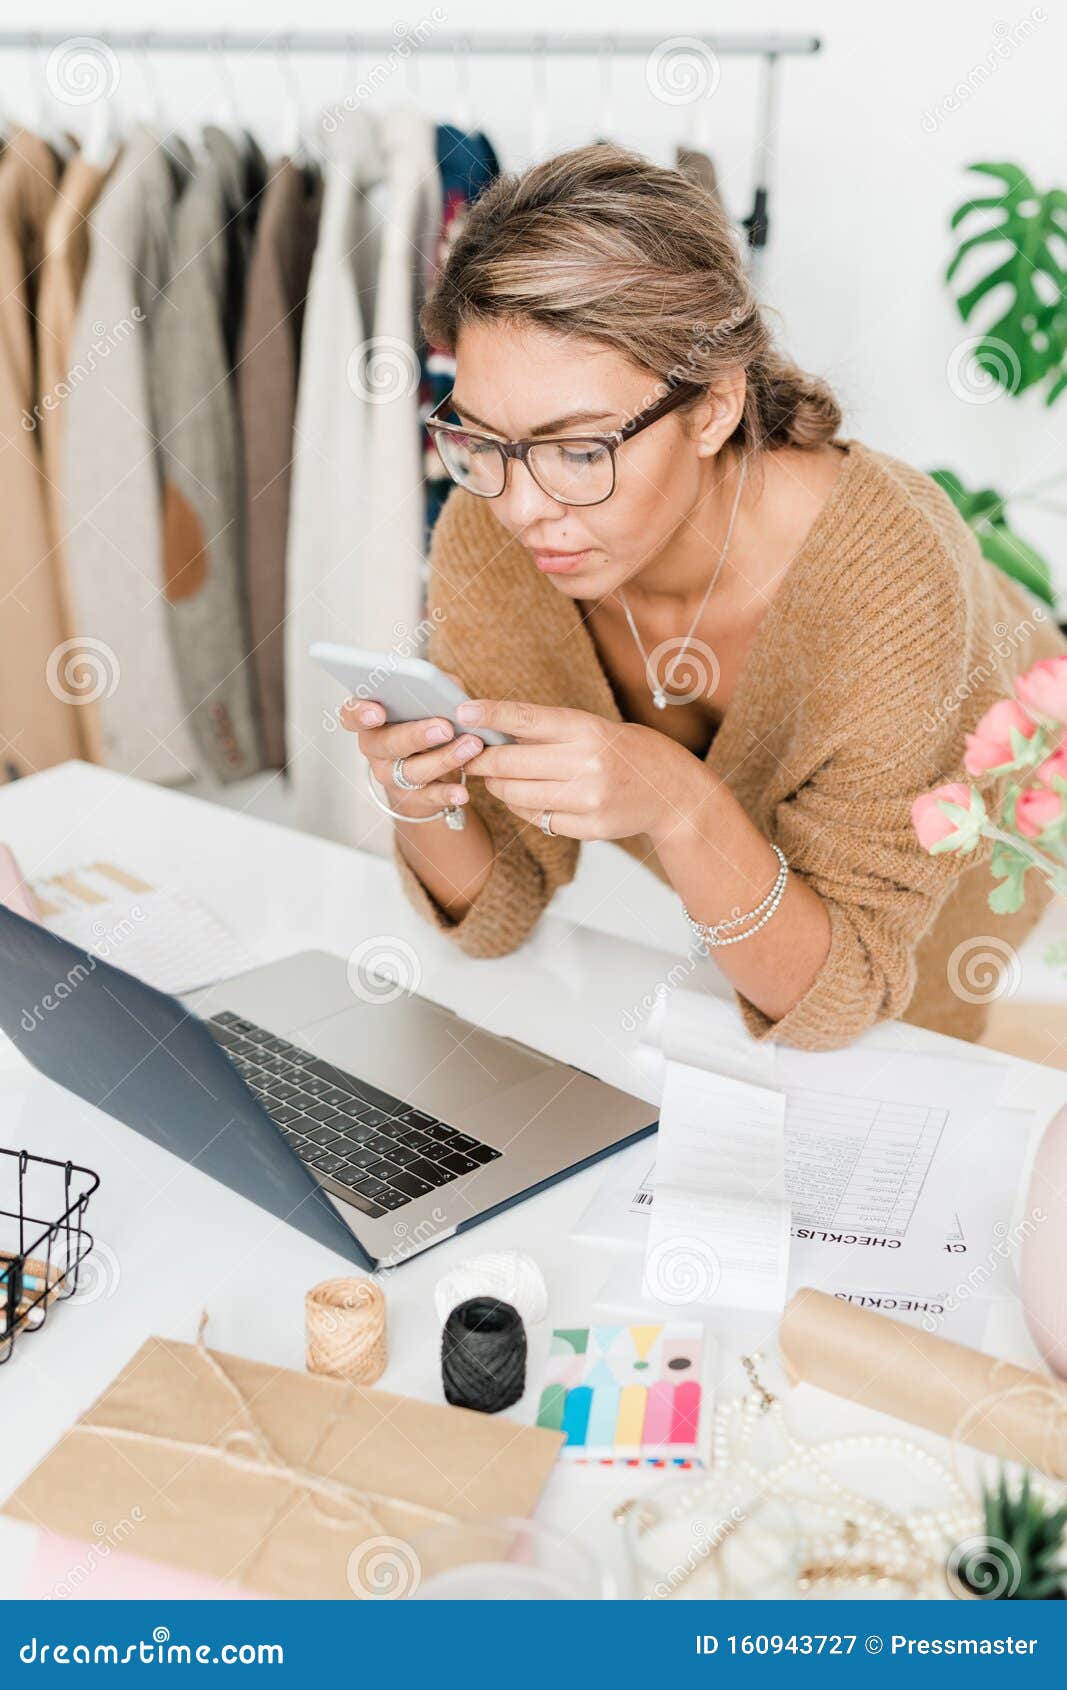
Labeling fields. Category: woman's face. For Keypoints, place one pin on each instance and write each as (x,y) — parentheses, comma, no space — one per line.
(518,381)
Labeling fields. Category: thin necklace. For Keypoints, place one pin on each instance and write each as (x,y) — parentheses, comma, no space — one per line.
(656,686)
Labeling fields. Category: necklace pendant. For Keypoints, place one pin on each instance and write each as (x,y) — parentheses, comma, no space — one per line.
(659,698)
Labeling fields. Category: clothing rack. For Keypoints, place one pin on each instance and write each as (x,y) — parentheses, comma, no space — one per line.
(769,48)
(355,41)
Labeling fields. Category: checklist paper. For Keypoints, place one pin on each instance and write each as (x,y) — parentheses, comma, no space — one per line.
(899,1168)
(719,1224)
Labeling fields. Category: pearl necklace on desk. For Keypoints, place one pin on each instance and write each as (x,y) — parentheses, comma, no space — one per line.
(862,1541)
(855,1540)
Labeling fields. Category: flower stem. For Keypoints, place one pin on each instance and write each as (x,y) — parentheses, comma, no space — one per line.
(1038,858)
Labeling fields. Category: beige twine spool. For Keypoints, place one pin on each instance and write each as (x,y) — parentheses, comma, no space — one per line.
(346,1330)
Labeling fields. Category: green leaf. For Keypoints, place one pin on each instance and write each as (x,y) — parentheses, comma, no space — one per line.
(984,512)
(1008,897)
(1027,343)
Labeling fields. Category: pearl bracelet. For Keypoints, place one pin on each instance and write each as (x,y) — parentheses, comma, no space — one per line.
(710,935)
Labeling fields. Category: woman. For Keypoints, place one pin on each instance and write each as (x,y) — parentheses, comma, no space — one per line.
(724,636)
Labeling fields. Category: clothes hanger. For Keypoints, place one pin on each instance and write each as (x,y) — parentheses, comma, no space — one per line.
(539,104)
(45,124)
(413,77)
(461,70)
(605,128)
(293,145)
(100,142)
(157,118)
(229,117)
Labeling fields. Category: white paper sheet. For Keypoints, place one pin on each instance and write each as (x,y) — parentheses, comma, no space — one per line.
(719,1229)
(901,1168)
(167,938)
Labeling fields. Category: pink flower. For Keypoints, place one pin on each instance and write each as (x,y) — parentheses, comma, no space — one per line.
(989,747)
(1043,689)
(1054,765)
(1036,809)
(928,818)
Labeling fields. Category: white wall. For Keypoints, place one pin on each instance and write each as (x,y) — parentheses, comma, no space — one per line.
(873,136)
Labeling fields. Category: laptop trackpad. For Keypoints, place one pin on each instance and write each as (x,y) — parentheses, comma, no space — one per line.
(418,1051)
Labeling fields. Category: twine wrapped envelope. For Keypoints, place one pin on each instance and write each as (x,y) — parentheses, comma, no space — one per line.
(279,1481)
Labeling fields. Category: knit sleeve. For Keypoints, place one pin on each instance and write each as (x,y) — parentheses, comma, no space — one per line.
(845,827)
(882,893)
(474,623)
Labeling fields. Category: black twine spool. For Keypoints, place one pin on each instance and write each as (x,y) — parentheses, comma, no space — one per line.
(483,1355)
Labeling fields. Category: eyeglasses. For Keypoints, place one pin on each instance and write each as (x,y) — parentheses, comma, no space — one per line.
(573,469)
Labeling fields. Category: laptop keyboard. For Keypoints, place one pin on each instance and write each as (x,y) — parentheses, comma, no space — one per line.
(380,1151)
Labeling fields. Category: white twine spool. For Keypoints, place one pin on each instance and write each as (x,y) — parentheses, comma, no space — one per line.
(510,1275)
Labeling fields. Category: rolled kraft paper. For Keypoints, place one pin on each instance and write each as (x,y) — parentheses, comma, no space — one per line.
(871,1359)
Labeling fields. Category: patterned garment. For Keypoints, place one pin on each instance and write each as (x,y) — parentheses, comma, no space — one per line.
(467,164)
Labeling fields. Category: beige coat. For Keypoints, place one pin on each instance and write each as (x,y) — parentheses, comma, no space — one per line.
(66,258)
(38,720)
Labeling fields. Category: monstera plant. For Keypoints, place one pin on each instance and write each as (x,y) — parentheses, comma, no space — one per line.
(1025,347)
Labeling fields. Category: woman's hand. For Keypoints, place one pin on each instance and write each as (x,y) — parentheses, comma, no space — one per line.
(600,779)
(431,751)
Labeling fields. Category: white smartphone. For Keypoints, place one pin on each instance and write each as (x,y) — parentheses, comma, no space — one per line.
(410,688)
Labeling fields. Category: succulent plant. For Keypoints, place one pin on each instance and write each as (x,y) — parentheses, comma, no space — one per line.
(1021,1555)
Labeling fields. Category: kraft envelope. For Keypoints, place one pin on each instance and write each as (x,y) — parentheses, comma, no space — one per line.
(280,1481)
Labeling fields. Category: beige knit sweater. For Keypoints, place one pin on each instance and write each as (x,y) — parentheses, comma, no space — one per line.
(889,636)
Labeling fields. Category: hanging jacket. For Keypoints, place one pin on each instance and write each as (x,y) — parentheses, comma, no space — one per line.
(194,393)
(268,363)
(467,164)
(38,718)
(111,472)
(357,517)
(66,259)
(699,168)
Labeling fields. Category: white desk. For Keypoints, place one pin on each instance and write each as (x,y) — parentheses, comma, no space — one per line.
(171,1242)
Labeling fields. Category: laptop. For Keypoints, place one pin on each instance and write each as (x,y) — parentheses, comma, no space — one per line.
(369,1118)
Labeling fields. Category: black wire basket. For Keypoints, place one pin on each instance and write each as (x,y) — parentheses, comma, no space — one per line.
(39,1256)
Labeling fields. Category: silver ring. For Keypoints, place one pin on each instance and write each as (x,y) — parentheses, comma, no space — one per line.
(546,824)
(400,779)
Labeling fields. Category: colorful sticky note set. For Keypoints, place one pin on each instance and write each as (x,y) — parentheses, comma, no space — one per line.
(628,1395)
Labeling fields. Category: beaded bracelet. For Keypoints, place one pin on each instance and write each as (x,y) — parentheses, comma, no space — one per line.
(710,935)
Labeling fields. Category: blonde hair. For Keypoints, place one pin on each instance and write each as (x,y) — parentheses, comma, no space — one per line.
(603,244)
